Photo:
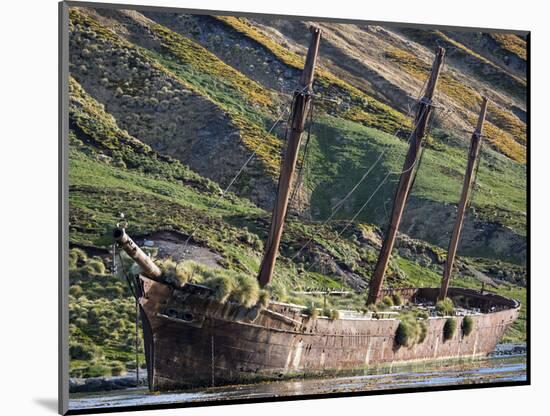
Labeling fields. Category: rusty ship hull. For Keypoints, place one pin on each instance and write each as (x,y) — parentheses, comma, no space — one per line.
(192,340)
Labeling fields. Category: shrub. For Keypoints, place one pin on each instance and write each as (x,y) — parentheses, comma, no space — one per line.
(174,273)
(386,302)
(95,266)
(76,256)
(445,307)
(246,291)
(263,300)
(326,312)
(311,311)
(372,308)
(81,322)
(96,370)
(197,272)
(117,368)
(403,334)
(277,291)
(449,329)
(467,325)
(397,299)
(81,351)
(410,331)
(334,314)
(75,290)
(222,284)
(422,315)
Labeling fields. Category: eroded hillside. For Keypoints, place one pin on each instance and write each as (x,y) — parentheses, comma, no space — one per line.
(159,73)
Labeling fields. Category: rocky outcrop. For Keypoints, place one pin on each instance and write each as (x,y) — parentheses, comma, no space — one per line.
(93,384)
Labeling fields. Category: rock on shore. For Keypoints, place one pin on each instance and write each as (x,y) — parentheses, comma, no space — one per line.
(86,385)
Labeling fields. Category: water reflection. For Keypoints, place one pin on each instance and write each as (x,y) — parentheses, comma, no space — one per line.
(489,370)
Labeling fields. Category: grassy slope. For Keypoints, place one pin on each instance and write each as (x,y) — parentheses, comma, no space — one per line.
(362,107)
(342,151)
(501,180)
(251,108)
(248,105)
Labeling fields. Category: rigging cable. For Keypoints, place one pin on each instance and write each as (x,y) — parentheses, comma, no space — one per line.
(340,203)
(349,222)
(303,161)
(476,171)
(239,172)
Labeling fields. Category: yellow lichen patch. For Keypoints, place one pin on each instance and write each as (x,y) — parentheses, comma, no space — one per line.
(507,122)
(266,146)
(242,26)
(504,130)
(408,62)
(512,43)
(463,95)
(504,142)
(377,121)
(418,69)
(383,116)
(202,60)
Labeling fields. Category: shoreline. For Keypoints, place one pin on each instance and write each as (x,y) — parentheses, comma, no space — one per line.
(128,380)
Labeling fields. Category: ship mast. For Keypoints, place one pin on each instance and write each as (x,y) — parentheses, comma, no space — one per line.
(421,120)
(301,103)
(473,155)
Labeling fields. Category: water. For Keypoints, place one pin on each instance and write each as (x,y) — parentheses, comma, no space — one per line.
(498,368)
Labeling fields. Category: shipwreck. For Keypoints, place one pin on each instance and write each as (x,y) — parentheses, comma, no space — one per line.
(191,339)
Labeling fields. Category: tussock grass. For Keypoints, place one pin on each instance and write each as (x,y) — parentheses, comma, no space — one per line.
(247,290)
(311,311)
(95,266)
(263,299)
(223,285)
(410,331)
(397,299)
(332,314)
(467,325)
(445,307)
(177,274)
(386,302)
(76,256)
(227,285)
(449,329)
